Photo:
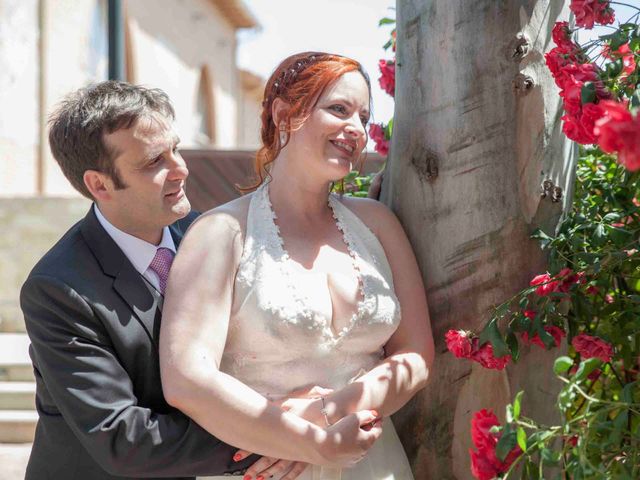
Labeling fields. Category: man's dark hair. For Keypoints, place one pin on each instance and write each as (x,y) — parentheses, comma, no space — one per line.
(79,123)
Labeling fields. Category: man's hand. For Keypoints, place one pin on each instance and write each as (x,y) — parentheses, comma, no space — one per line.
(266,467)
(347,442)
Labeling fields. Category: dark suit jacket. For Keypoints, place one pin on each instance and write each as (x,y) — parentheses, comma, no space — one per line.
(94,322)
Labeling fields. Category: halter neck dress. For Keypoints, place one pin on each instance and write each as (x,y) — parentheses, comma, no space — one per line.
(280,339)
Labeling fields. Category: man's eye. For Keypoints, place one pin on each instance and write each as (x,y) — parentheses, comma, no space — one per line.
(175,149)
(155,161)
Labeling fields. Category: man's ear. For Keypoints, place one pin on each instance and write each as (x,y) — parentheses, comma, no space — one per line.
(279,109)
(99,185)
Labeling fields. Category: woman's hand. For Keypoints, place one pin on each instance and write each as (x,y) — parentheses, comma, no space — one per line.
(306,404)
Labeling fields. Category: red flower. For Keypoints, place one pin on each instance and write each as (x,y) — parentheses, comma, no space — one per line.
(458,343)
(592,290)
(481,423)
(545,284)
(376,132)
(388,78)
(530,314)
(618,131)
(590,12)
(562,35)
(556,332)
(484,356)
(572,440)
(485,465)
(482,466)
(592,347)
(624,52)
(567,278)
(557,60)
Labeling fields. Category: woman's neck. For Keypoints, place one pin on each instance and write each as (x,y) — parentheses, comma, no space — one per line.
(297,193)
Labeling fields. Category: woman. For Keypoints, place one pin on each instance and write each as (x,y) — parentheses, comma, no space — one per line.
(291,287)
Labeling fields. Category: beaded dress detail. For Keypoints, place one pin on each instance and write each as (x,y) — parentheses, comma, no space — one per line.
(277,342)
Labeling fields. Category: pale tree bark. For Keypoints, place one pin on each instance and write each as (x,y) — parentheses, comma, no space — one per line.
(477,132)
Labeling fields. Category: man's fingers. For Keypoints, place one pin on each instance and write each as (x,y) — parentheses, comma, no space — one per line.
(260,466)
(241,455)
(295,472)
(280,466)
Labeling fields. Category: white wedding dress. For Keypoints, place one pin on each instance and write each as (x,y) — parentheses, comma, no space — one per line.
(279,341)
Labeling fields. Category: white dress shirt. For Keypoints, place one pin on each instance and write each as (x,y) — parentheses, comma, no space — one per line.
(139,252)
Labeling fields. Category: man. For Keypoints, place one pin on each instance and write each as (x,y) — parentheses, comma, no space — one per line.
(92,304)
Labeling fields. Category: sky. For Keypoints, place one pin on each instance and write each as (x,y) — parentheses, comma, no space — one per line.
(345,27)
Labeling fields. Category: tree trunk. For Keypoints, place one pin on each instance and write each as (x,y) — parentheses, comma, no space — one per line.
(477,132)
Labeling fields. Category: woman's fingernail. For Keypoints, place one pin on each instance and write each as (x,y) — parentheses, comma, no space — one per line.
(246,477)
(237,457)
(260,477)
(374,413)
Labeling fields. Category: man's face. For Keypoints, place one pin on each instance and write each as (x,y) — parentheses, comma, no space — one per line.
(154,174)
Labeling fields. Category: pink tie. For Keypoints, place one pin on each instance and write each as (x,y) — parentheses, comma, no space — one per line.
(161,264)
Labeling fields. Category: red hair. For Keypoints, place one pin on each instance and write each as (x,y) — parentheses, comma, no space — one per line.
(299,81)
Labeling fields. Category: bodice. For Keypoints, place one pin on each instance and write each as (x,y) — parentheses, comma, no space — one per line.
(278,340)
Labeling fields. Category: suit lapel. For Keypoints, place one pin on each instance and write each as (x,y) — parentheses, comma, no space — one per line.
(143,299)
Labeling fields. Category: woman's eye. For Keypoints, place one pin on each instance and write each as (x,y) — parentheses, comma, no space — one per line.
(364,120)
(339,108)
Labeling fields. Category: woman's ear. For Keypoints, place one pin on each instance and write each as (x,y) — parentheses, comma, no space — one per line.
(279,109)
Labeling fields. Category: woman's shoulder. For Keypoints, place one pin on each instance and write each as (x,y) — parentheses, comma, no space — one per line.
(226,221)
(374,214)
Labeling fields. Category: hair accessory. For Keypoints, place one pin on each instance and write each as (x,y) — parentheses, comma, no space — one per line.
(288,77)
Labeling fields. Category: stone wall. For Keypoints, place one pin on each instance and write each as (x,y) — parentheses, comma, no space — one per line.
(30,226)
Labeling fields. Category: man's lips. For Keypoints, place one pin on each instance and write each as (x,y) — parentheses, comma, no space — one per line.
(179,193)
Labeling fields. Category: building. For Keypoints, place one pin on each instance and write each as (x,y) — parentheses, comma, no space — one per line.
(185,47)
(49,48)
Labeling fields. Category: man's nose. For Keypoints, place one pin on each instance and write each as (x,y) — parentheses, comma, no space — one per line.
(178,167)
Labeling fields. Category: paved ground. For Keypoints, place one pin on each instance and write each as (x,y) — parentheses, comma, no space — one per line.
(13,459)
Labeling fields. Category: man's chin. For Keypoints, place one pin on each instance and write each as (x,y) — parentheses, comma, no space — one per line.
(181,209)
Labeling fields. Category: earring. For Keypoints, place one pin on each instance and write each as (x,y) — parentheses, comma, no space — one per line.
(283,135)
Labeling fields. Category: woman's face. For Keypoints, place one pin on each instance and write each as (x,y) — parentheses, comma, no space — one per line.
(332,138)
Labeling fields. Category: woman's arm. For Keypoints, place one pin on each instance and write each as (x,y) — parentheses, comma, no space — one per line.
(410,351)
(194,331)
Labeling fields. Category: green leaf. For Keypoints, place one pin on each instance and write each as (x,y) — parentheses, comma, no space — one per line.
(386,21)
(627,392)
(550,457)
(516,405)
(586,367)
(491,333)
(588,93)
(507,442)
(522,439)
(509,414)
(614,68)
(562,364)
(512,343)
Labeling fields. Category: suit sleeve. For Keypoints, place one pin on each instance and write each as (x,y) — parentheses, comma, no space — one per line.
(95,396)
